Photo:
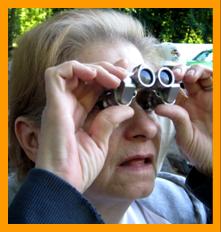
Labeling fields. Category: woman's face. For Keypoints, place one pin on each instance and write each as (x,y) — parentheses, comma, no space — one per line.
(130,168)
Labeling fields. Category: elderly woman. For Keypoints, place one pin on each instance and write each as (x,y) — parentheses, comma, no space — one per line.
(78,162)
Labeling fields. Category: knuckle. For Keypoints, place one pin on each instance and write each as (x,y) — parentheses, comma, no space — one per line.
(106,119)
(183,117)
(49,71)
(65,65)
(73,62)
(197,66)
(100,69)
(104,63)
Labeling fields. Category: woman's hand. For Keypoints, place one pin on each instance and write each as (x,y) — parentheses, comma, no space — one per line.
(65,148)
(192,116)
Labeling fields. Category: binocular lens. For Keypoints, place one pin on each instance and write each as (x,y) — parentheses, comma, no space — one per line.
(166,77)
(146,76)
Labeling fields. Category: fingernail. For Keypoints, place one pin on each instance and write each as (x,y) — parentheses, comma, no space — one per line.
(93,72)
(118,81)
(115,79)
(191,72)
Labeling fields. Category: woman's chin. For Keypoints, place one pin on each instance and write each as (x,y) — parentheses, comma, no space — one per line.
(138,191)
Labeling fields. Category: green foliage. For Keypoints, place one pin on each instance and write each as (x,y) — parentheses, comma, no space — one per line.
(23,19)
(174,24)
(13,26)
(31,17)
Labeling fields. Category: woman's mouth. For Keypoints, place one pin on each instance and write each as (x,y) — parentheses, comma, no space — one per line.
(137,162)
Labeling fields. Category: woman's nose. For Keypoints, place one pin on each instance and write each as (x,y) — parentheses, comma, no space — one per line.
(143,126)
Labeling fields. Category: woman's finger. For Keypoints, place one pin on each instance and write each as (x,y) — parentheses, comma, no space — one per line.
(117,71)
(181,120)
(106,121)
(88,94)
(179,72)
(70,72)
(198,78)
(105,78)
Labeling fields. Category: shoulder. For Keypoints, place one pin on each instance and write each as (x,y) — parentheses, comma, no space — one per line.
(171,200)
(46,198)
(13,186)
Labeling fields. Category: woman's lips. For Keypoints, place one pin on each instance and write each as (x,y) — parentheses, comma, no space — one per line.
(137,162)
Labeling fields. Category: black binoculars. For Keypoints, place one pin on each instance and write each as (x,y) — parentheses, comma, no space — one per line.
(149,88)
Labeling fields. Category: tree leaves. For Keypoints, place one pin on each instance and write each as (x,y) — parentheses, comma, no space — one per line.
(178,25)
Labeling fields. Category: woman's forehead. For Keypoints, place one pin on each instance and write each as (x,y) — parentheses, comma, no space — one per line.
(112,52)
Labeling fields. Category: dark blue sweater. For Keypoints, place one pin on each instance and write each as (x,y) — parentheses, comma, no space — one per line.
(47,199)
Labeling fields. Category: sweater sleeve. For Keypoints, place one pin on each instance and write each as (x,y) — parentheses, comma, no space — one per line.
(44,198)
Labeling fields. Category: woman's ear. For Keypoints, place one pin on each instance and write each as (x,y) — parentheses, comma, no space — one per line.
(27,134)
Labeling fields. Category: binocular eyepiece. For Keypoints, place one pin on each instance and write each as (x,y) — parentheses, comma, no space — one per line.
(149,88)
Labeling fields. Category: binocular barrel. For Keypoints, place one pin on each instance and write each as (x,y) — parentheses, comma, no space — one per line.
(143,76)
(150,88)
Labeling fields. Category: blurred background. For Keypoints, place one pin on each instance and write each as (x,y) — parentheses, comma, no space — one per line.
(189,29)
(177,25)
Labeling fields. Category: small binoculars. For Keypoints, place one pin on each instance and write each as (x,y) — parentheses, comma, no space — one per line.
(149,88)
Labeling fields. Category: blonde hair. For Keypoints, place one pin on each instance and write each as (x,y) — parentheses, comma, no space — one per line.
(59,39)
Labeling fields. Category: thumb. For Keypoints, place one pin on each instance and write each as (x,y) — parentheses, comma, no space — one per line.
(106,121)
(181,120)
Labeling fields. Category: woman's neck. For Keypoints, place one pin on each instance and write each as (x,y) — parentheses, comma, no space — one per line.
(111,209)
